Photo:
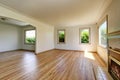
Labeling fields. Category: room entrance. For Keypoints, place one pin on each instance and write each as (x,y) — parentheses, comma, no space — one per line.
(16,35)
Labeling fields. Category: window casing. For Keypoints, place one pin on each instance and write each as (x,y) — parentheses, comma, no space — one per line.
(61,36)
(103,34)
(85,35)
(29,37)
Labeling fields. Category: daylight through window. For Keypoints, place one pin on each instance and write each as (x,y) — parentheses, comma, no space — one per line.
(85,35)
(61,36)
(103,34)
(30,36)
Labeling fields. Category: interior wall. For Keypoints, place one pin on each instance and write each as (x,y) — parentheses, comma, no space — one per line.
(45,38)
(113,13)
(10,37)
(27,46)
(45,32)
(73,39)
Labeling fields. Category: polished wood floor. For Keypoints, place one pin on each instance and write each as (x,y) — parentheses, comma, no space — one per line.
(52,65)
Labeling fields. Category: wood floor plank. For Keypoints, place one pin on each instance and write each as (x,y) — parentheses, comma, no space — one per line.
(52,65)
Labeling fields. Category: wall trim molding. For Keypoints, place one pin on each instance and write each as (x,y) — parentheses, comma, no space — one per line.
(17,50)
(75,50)
(44,51)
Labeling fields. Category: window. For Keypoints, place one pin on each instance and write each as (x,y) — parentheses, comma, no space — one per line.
(30,36)
(85,35)
(61,36)
(103,34)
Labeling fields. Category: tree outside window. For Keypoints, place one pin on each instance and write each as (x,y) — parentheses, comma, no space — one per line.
(85,35)
(61,36)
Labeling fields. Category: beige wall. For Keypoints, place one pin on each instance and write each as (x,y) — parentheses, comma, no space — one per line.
(10,37)
(114,16)
(113,12)
(73,39)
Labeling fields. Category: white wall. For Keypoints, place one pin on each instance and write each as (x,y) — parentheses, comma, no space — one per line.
(113,12)
(10,37)
(45,39)
(45,32)
(27,46)
(72,39)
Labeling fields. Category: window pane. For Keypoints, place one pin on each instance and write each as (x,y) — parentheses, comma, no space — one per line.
(30,37)
(103,34)
(61,35)
(84,36)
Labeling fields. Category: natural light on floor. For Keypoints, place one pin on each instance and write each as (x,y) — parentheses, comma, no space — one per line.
(89,55)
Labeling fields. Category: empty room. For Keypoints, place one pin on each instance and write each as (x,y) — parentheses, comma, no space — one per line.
(59,40)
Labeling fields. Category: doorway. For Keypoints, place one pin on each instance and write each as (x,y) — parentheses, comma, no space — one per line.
(16,35)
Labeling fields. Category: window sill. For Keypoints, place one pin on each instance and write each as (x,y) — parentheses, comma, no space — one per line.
(85,43)
(103,46)
(61,43)
(28,44)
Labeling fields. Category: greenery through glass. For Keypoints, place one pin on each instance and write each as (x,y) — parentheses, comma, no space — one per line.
(61,36)
(30,40)
(85,36)
(30,37)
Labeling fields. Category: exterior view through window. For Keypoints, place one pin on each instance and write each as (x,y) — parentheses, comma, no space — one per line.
(30,36)
(85,35)
(61,36)
(103,34)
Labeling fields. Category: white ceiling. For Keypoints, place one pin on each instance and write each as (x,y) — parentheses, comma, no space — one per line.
(61,12)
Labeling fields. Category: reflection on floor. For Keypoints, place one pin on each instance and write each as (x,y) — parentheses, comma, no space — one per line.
(52,65)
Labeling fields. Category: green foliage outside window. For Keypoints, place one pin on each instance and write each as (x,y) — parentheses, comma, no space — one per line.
(85,36)
(61,36)
(30,40)
(30,37)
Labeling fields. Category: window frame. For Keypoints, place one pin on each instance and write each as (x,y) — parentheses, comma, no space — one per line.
(89,35)
(58,36)
(105,19)
(25,37)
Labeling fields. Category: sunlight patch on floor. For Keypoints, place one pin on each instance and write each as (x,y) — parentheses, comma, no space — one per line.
(89,55)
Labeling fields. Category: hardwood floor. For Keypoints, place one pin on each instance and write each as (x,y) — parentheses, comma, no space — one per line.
(52,65)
